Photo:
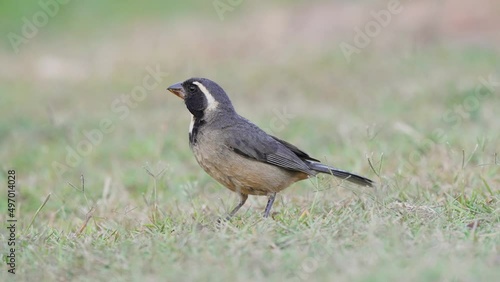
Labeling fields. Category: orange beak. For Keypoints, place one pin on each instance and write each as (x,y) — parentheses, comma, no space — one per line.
(177,89)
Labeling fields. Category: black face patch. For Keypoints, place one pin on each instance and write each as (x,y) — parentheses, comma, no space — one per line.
(193,135)
(195,100)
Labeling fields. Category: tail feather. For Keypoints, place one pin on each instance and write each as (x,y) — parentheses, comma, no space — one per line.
(356,179)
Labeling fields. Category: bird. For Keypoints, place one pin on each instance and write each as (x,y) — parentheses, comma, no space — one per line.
(238,154)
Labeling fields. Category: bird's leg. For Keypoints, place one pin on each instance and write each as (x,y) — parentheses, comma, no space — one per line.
(243,199)
(270,202)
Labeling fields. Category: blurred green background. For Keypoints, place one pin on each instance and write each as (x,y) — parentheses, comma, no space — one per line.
(420,100)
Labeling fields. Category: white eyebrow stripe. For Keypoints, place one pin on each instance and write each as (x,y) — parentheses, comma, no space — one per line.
(212,103)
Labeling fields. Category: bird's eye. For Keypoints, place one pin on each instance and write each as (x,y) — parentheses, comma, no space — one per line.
(192,88)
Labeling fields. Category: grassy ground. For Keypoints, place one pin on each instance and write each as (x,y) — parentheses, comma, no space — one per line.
(418,108)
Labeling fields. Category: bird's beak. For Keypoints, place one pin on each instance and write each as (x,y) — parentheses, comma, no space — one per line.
(177,89)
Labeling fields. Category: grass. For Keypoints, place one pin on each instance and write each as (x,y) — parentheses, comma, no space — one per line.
(145,210)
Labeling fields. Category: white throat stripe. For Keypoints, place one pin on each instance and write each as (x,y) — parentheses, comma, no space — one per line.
(191,125)
(212,104)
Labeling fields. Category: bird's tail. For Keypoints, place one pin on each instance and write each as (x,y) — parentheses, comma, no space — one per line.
(360,180)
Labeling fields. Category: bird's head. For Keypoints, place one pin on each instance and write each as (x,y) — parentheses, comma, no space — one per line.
(202,96)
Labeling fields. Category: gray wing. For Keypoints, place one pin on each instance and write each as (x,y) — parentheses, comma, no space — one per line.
(301,154)
(252,142)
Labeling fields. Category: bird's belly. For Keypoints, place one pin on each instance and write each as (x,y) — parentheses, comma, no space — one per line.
(241,174)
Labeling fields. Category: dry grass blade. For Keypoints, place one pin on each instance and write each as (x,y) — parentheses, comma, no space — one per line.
(38,211)
(88,216)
